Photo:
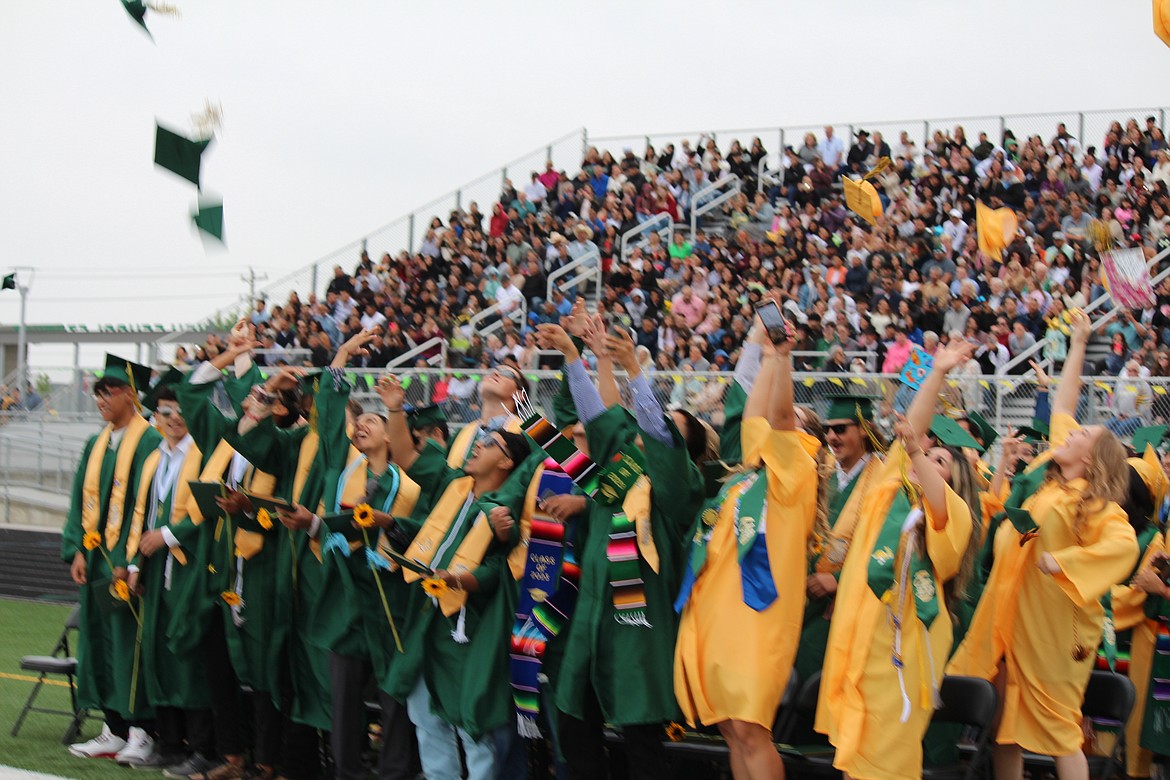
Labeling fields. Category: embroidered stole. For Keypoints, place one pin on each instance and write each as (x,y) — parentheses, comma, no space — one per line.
(750,510)
(546,553)
(91,487)
(899,571)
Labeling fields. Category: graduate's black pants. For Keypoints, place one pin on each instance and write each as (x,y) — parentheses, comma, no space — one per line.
(226,705)
(350,735)
(583,745)
(181,730)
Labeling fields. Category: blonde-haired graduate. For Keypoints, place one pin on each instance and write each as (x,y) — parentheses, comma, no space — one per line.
(1138,605)
(743,592)
(891,629)
(1041,618)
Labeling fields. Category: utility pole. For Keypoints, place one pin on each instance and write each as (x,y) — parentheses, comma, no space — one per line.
(251,278)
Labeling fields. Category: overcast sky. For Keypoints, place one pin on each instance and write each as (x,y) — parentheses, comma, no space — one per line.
(341,116)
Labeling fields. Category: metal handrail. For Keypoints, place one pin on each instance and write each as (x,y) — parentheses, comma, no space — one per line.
(652,225)
(1097,325)
(406,220)
(699,208)
(426,346)
(594,256)
(521,310)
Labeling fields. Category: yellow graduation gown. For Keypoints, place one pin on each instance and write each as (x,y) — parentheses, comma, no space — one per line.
(732,662)
(1035,621)
(860,705)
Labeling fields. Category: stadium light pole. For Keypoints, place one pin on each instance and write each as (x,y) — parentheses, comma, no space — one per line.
(21,338)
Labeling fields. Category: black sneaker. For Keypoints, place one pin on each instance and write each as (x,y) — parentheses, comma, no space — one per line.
(195,765)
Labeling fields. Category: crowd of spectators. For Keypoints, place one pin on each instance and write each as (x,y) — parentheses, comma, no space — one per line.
(859,296)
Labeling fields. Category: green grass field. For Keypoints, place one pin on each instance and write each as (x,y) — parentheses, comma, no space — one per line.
(29,628)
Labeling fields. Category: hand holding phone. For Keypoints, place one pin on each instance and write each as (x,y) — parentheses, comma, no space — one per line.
(774,323)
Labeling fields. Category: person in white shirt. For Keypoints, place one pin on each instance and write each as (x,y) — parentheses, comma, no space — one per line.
(372,318)
(1092,170)
(832,149)
(510,296)
(956,228)
(535,191)
(344,307)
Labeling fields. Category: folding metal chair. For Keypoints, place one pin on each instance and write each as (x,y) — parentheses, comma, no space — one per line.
(59,662)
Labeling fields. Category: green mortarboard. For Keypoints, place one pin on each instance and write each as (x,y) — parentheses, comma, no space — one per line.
(1037,431)
(948,432)
(849,407)
(209,218)
(9,282)
(1021,519)
(123,370)
(1151,435)
(178,154)
(137,11)
(426,416)
(172,377)
(986,430)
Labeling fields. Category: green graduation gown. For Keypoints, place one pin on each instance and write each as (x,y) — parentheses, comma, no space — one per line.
(106,643)
(293,456)
(468,683)
(173,677)
(630,668)
(348,616)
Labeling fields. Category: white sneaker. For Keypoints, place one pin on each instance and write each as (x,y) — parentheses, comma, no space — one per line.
(138,750)
(104,745)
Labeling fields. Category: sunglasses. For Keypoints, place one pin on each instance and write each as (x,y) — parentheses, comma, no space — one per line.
(839,428)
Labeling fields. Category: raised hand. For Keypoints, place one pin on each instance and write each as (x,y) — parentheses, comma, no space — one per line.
(550,336)
(621,346)
(595,335)
(1081,326)
(390,391)
(285,379)
(955,353)
(1042,378)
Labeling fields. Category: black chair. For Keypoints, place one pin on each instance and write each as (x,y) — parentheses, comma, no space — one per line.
(1109,701)
(966,701)
(59,662)
(969,702)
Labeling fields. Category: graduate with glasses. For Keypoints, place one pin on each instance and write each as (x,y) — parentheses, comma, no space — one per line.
(856,448)
(94,541)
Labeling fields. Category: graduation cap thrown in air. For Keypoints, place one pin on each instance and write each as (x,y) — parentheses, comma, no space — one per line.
(861,197)
(137,11)
(178,154)
(208,217)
